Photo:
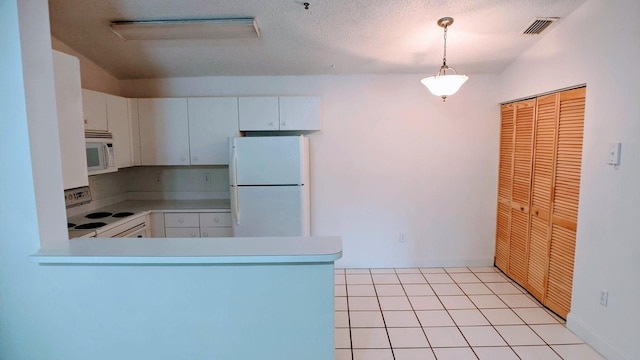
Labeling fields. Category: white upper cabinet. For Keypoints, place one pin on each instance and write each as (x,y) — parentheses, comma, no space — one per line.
(299,113)
(132,107)
(286,113)
(164,131)
(258,113)
(120,127)
(211,121)
(94,107)
(66,70)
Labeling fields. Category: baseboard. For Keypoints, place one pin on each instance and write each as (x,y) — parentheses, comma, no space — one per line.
(595,340)
(426,263)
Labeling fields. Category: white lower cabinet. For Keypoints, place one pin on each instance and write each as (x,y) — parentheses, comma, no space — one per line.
(194,224)
(215,225)
(182,232)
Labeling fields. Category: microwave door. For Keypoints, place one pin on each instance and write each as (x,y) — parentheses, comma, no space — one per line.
(95,156)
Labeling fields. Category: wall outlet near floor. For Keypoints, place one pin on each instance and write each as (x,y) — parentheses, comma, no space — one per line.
(402,238)
(604,297)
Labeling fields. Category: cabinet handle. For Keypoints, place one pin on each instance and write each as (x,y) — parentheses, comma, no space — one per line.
(195,158)
(216,220)
(284,123)
(181,220)
(206,234)
(521,208)
(86,121)
(183,158)
(272,124)
(193,234)
(536,212)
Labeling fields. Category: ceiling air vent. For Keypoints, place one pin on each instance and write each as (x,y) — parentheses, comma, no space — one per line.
(539,25)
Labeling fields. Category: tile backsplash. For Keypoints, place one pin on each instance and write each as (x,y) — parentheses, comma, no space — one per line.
(162,182)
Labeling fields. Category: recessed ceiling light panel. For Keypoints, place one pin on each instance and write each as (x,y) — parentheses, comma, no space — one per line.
(198,29)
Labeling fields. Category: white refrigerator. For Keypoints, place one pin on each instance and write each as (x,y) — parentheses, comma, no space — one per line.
(269,178)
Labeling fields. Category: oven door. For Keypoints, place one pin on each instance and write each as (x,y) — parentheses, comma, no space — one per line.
(139,231)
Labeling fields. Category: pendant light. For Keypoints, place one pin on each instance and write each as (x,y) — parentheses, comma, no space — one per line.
(443,84)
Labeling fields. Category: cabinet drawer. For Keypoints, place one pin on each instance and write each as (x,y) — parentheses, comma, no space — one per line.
(216,232)
(215,219)
(182,232)
(181,220)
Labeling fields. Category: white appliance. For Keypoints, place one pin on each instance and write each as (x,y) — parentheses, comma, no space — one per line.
(100,153)
(269,178)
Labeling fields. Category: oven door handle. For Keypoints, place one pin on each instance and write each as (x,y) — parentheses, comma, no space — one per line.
(131,231)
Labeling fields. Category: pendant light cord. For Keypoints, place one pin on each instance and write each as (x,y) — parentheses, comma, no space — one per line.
(444,58)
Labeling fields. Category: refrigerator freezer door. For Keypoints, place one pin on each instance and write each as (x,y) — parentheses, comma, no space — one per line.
(271,211)
(270,160)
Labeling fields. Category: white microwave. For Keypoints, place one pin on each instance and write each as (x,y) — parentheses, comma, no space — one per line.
(100,154)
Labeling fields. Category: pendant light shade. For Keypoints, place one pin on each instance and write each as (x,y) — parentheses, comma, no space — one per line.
(443,84)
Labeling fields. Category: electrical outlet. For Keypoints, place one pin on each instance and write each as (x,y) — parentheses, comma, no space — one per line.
(604,297)
(402,238)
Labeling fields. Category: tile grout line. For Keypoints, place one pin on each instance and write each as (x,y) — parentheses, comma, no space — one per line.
(414,311)
(493,292)
(384,322)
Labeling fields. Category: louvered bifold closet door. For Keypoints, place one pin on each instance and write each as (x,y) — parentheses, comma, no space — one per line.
(521,189)
(541,188)
(505,175)
(564,217)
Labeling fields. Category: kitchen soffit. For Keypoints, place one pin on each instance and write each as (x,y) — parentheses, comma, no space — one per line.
(331,37)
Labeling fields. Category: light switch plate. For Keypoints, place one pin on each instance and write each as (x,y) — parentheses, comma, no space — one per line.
(613,157)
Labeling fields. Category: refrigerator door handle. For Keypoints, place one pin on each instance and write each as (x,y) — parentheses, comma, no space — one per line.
(234,183)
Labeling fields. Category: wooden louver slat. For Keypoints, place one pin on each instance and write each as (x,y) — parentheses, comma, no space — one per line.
(538,192)
(565,202)
(521,190)
(504,187)
(541,192)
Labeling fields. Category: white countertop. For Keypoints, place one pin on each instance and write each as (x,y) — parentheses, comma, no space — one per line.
(237,250)
(142,207)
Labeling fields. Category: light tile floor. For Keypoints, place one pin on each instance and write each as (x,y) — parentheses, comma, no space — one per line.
(445,313)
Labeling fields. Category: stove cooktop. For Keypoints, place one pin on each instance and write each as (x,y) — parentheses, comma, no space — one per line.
(122,214)
(96,220)
(91,225)
(98,215)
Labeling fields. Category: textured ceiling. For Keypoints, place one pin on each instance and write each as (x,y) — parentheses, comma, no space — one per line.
(332,37)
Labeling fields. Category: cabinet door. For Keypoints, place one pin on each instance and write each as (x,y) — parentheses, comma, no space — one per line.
(541,188)
(134,124)
(182,232)
(66,71)
(211,232)
(182,219)
(94,106)
(118,121)
(164,131)
(521,189)
(505,176)
(258,113)
(211,122)
(565,195)
(299,113)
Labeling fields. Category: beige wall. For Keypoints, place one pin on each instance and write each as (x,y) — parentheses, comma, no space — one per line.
(390,159)
(93,77)
(587,48)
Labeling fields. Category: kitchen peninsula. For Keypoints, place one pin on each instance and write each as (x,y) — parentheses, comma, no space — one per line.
(194,298)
